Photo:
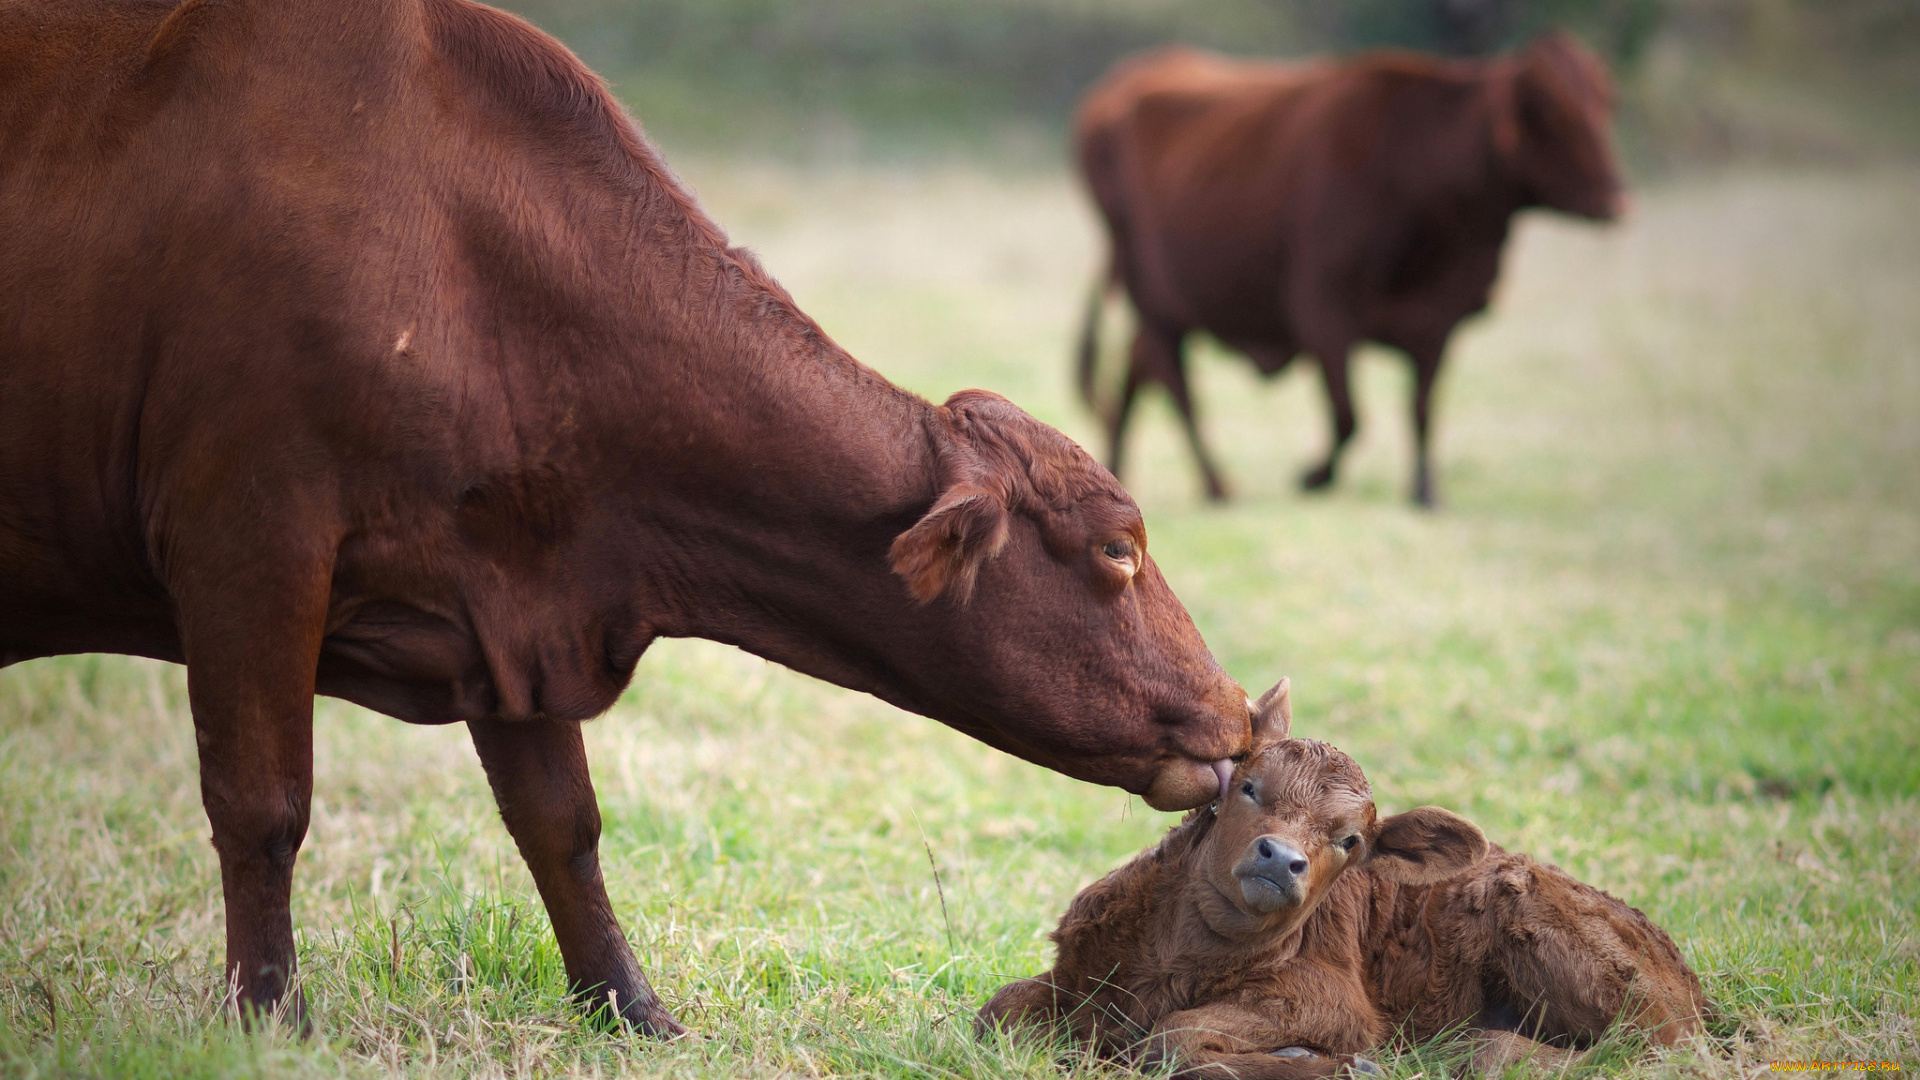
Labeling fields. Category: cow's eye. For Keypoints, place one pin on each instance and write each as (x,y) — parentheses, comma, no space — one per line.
(1118,550)
(1349,843)
(1247,790)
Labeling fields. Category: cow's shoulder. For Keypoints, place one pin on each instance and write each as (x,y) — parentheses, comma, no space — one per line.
(1178,83)
(57,58)
(1408,92)
(503,61)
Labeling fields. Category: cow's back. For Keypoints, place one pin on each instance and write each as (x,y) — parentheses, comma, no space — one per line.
(1195,163)
(1242,195)
(339,253)
(155,263)
(394,288)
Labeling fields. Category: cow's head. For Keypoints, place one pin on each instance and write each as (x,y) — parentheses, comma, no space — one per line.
(1059,641)
(1298,813)
(1556,128)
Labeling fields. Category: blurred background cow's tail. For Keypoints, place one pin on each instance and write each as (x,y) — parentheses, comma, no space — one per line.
(1089,355)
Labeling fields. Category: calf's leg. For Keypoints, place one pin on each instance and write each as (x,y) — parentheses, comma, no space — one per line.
(1571,960)
(1495,1051)
(538,771)
(1230,1041)
(1023,1004)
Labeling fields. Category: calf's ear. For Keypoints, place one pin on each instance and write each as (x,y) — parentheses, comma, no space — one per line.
(1273,714)
(945,549)
(1425,845)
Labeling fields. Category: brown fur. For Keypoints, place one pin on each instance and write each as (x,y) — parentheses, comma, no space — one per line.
(1421,928)
(365,348)
(1287,208)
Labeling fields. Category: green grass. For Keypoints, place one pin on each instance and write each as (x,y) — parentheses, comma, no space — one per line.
(1665,634)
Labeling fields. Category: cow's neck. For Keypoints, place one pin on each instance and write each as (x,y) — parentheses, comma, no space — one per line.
(795,468)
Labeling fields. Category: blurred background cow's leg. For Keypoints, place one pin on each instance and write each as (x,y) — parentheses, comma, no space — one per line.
(1087,353)
(1426,369)
(1159,355)
(538,771)
(1333,372)
(1122,409)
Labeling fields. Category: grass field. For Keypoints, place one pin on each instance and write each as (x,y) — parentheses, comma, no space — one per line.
(1666,633)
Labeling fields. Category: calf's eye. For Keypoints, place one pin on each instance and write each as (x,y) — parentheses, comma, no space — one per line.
(1247,790)
(1350,842)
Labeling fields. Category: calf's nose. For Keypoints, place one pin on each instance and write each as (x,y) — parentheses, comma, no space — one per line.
(1279,860)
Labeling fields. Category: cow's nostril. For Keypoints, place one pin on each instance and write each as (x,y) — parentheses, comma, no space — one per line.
(1266,850)
(1298,866)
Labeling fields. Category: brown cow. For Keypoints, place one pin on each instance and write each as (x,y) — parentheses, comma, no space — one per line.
(1285,208)
(1287,931)
(365,348)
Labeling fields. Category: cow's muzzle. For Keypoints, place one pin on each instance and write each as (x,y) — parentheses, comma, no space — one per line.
(1183,784)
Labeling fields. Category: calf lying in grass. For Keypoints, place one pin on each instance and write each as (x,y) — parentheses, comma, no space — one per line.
(1286,931)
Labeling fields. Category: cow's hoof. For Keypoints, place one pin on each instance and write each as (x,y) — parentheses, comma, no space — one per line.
(1423,496)
(289,1014)
(1317,479)
(1360,1066)
(1291,1052)
(647,1019)
(655,1023)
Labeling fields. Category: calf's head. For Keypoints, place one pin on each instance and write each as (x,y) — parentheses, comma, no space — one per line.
(1558,129)
(1057,638)
(1298,813)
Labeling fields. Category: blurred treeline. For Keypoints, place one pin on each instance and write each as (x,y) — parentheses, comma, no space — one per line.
(1701,80)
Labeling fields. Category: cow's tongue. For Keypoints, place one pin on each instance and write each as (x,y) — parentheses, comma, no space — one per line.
(1224,770)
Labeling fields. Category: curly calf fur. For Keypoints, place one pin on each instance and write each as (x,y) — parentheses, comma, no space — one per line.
(1411,924)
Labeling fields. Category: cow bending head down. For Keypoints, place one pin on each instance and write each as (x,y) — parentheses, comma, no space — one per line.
(443,397)
(1029,538)
(1287,930)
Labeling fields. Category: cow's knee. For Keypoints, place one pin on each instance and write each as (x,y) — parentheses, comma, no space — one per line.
(258,822)
(257,833)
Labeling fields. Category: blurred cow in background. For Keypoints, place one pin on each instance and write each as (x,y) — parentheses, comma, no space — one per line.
(1307,207)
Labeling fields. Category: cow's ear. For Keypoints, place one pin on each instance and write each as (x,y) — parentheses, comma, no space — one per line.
(1425,845)
(1273,715)
(1555,81)
(945,549)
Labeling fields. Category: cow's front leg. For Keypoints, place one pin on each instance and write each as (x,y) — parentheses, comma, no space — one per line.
(252,643)
(538,769)
(1333,373)
(1425,352)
